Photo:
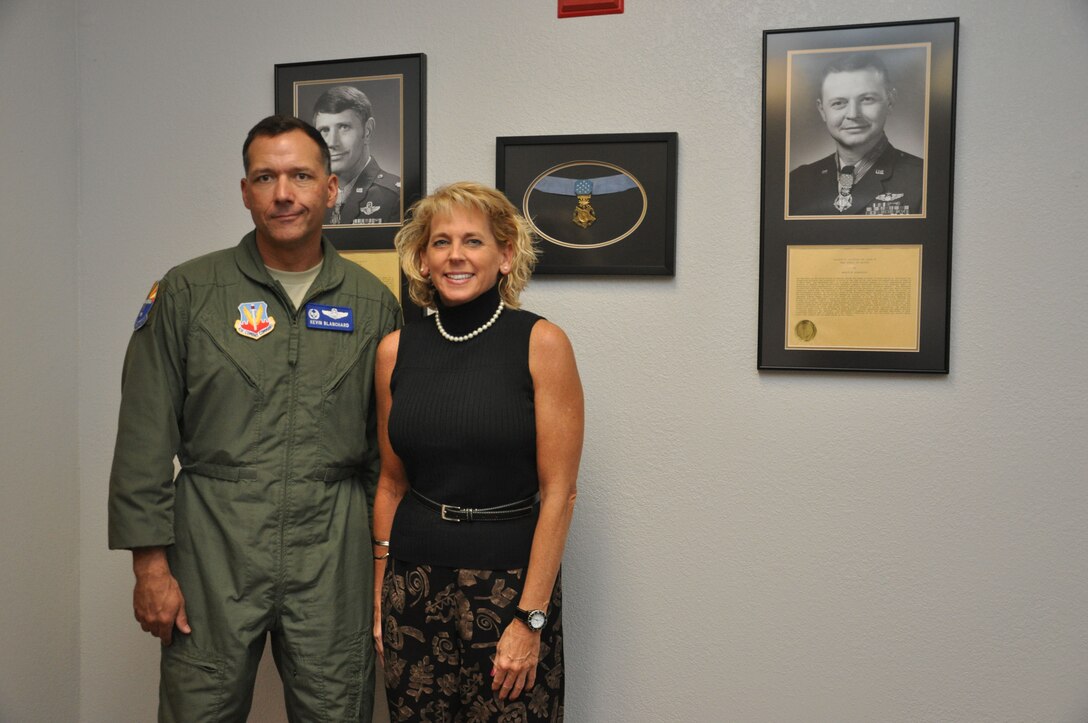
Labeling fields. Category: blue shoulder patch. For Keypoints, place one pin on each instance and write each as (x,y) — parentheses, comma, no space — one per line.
(145,310)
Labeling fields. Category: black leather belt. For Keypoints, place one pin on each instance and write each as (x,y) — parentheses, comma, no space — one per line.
(452,513)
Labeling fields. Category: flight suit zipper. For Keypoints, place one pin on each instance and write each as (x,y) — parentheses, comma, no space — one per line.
(293,342)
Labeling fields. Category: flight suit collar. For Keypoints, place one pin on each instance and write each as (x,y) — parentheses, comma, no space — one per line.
(252,265)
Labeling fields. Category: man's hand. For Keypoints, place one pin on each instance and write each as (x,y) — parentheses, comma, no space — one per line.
(157,600)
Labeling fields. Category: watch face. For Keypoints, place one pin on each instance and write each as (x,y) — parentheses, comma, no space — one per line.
(537,620)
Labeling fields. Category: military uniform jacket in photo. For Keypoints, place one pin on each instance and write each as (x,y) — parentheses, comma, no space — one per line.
(892,187)
(374,198)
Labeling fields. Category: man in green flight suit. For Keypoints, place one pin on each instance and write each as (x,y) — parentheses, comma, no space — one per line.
(254,366)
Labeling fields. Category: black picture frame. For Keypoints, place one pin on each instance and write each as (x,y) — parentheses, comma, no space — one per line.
(626,224)
(805,205)
(396,88)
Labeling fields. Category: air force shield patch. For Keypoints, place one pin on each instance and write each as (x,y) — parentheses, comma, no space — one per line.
(255,321)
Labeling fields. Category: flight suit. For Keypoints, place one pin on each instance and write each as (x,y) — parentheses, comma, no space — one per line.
(266,525)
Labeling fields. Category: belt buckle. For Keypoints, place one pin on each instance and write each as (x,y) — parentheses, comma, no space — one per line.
(452,508)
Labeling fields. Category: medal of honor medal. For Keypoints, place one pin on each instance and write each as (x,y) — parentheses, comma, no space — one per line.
(846,182)
(584,215)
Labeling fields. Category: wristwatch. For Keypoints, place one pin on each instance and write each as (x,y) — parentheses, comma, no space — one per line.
(535,619)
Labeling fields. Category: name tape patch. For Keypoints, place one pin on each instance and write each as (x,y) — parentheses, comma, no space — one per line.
(330,318)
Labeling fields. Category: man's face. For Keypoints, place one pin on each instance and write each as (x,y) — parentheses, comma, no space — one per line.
(855,105)
(347,137)
(287,190)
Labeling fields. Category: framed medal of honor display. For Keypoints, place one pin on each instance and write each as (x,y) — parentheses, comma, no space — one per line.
(372,114)
(600,204)
(856,217)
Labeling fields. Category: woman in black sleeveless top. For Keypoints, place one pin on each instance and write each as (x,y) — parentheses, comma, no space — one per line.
(480,416)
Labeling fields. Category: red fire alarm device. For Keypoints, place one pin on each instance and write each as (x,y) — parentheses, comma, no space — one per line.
(582,8)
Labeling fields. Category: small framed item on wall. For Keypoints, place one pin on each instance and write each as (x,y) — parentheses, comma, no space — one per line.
(856,217)
(583,8)
(372,114)
(601,204)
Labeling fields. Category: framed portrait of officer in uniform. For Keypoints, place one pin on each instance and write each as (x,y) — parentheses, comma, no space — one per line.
(371,113)
(600,204)
(856,207)
(856,139)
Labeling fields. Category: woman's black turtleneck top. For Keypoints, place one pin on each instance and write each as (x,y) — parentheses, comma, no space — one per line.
(463,423)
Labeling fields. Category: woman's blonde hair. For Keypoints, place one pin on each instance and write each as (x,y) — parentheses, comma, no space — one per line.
(507,226)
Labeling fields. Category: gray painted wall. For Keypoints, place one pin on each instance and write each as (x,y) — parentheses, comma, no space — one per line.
(751,547)
(39,492)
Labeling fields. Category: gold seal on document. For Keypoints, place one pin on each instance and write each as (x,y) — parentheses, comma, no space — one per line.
(806,330)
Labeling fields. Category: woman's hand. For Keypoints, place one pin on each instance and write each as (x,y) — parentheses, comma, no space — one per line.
(376,629)
(516,657)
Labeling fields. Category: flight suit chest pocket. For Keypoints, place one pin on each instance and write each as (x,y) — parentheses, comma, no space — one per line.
(226,383)
(347,398)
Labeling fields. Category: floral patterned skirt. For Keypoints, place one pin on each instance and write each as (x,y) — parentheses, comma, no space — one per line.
(440,626)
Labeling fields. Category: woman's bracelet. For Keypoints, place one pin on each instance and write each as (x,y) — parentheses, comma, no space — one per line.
(379,543)
(381,557)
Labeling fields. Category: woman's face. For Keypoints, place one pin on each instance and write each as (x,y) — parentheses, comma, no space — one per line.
(462,257)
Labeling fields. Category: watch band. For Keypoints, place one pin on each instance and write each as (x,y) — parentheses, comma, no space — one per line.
(535,620)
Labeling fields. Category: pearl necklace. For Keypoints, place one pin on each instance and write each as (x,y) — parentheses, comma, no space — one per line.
(487,325)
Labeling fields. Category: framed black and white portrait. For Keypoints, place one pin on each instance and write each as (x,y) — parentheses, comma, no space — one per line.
(371,112)
(863,107)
